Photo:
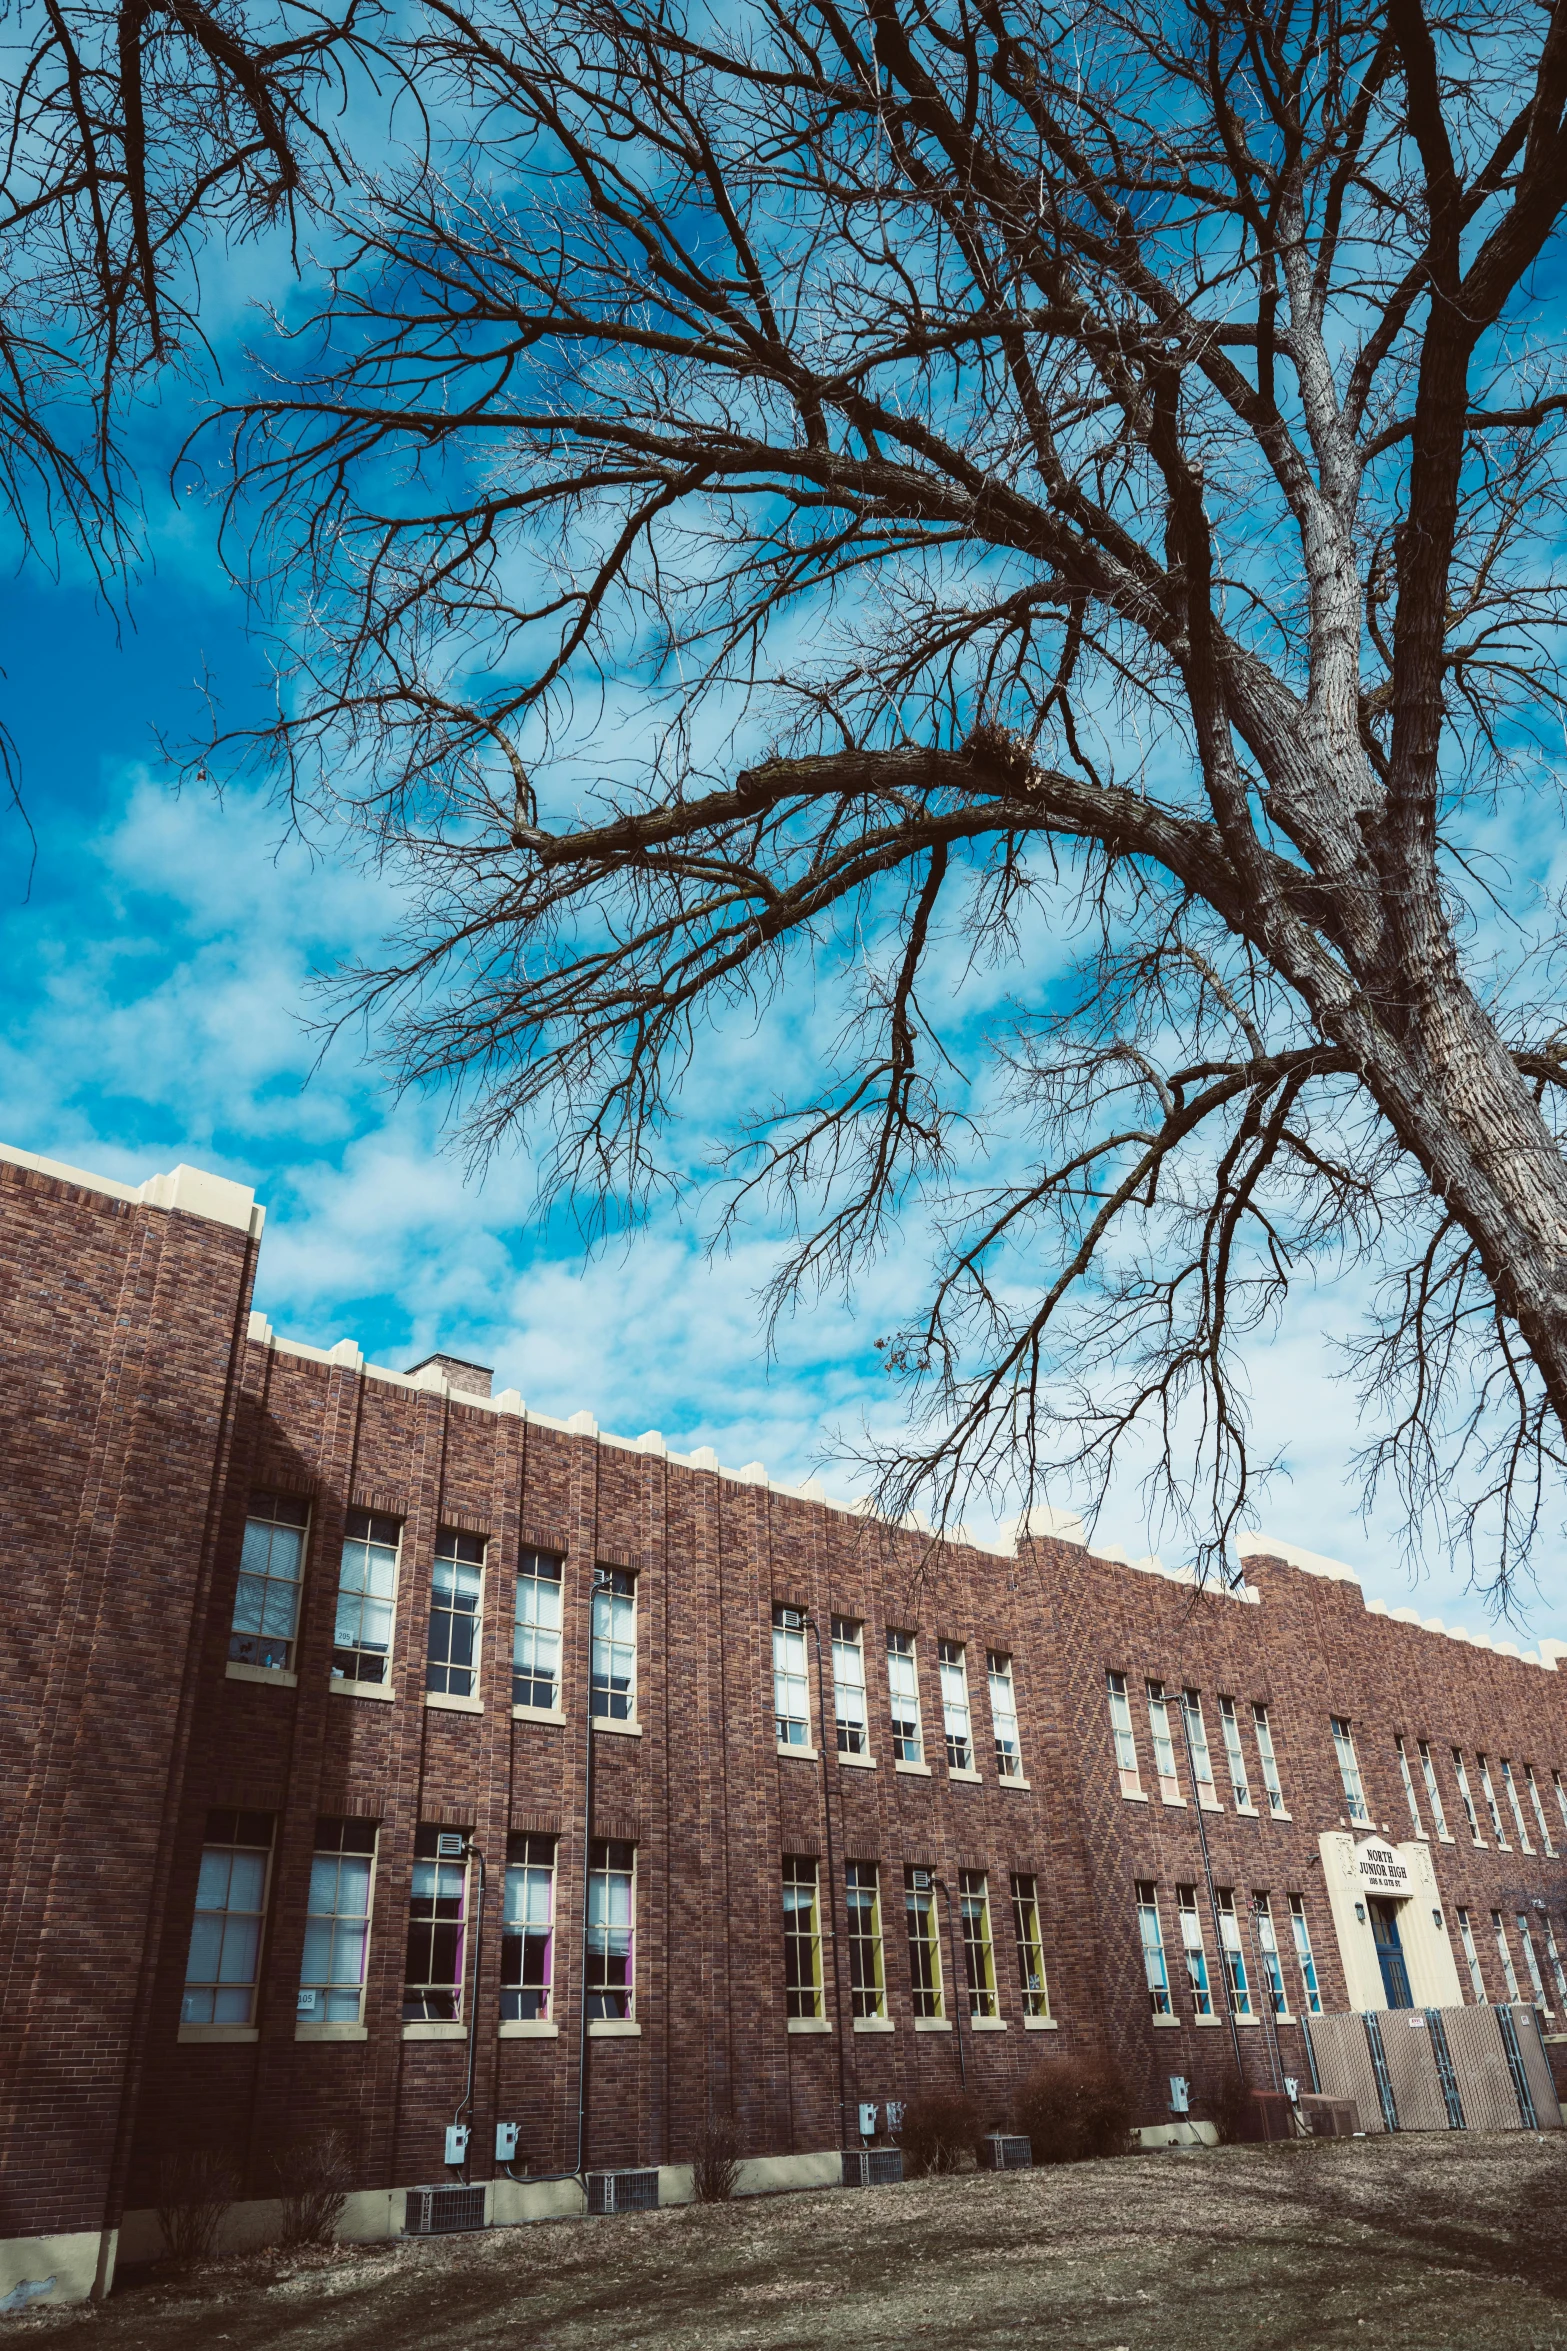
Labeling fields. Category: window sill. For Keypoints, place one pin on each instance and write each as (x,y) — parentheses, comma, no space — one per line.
(1131,1787)
(987,2024)
(1175,1801)
(530,2028)
(957,1771)
(346,1689)
(613,2028)
(933,2024)
(537,1714)
(808,2024)
(1245,1812)
(1017,1782)
(799,1754)
(1278,1814)
(858,1762)
(442,1702)
(1202,2022)
(1133,1796)
(1444,1836)
(1041,2024)
(331,2032)
(1247,2020)
(272,1675)
(435,2028)
(192,2033)
(1165,2024)
(874,2024)
(1209,1804)
(917,1771)
(622,1730)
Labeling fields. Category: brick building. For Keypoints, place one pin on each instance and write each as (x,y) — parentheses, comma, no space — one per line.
(381,1754)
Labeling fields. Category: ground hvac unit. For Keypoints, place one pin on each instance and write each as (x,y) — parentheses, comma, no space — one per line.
(441,2212)
(872,2167)
(1001,2151)
(1329,2118)
(623,2191)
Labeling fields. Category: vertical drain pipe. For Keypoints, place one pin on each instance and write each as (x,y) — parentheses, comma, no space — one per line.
(466,2105)
(1213,1899)
(959,1976)
(832,1881)
(599,1579)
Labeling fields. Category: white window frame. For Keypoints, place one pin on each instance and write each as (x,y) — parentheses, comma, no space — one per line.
(903,1694)
(867,1953)
(1540,1813)
(1305,1957)
(1199,1978)
(437,1877)
(851,1712)
(791,1681)
(803,1998)
(228,1935)
(1003,1714)
(268,1587)
(1461,1775)
(1511,1785)
(450,1592)
(612,1657)
(334,1993)
(1272,1957)
(1407,1777)
(1232,1950)
(1122,1735)
(1504,1954)
(1433,1792)
(1162,1741)
(364,1602)
(1151,1935)
(957,1723)
(1267,1756)
(1190,1702)
(1491,1805)
(1472,1959)
(1349,1771)
(1532,1962)
(1235,1756)
(537,1616)
(528,1896)
(612,1890)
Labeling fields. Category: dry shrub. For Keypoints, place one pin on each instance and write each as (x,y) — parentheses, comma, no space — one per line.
(194,2190)
(314,2176)
(1072,2109)
(715,2167)
(940,2133)
(1232,2112)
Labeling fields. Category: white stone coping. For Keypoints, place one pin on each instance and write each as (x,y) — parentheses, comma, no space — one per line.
(192,1190)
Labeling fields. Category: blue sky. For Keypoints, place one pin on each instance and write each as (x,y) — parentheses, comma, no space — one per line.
(158,990)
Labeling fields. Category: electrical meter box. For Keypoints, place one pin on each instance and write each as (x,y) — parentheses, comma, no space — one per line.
(867,2119)
(506,2136)
(894,2115)
(1180,2094)
(457,2142)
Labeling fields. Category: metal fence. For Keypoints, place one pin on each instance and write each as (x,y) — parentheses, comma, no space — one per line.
(1438,2069)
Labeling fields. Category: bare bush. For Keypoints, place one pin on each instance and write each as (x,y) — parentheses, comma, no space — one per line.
(315,2174)
(715,2166)
(940,2134)
(1072,2109)
(194,2190)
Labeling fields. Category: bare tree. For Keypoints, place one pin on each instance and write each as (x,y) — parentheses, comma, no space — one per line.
(1035,465)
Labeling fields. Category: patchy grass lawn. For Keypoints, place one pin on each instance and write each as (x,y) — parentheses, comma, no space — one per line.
(1418,2242)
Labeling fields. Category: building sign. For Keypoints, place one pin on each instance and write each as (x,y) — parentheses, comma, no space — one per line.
(1382,1869)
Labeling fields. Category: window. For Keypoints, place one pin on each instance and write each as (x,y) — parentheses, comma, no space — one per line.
(802,1939)
(1233,1756)
(1153,1948)
(1270,1765)
(1471,1957)
(1163,1746)
(1561,1796)
(791,1682)
(1505,1956)
(1434,1794)
(456,1588)
(979,1958)
(952,1666)
(1030,1949)
(1468,1802)
(437,1917)
(1532,1962)
(1541,1821)
(1202,1761)
(613,1685)
(1234,1952)
(1511,1785)
(271,1566)
(848,1687)
(1491,1805)
(611,1972)
(366,1598)
(1192,1945)
(1349,1769)
(535,1640)
(1003,1715)
(1416,1822)
(867,1979)
(528,1930)
(1555,1958)
(225,1935)
(919,1904)
(1121,1730)
(903,1689)
(1268,1945)
(337,1924)
(1307,1964)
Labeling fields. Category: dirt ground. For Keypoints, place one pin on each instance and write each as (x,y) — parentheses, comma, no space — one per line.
(1419,2242)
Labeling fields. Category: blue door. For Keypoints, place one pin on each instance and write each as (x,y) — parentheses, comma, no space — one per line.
(1390,1955)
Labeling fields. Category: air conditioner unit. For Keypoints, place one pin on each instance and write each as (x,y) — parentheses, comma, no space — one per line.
(1330,2118)
(1001,2151)
(872,2167)
(623,2191)
(441,2212)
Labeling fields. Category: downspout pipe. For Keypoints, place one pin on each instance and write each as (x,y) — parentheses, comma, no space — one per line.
(959,1977)
(465,2104)
(832,1884)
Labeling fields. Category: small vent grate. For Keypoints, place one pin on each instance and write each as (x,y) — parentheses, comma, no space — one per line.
(872,2167)
(437,2212)
(623,2191)
(1001,2152)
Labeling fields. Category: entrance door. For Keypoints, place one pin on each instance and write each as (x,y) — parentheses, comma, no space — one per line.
(1390,1955)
